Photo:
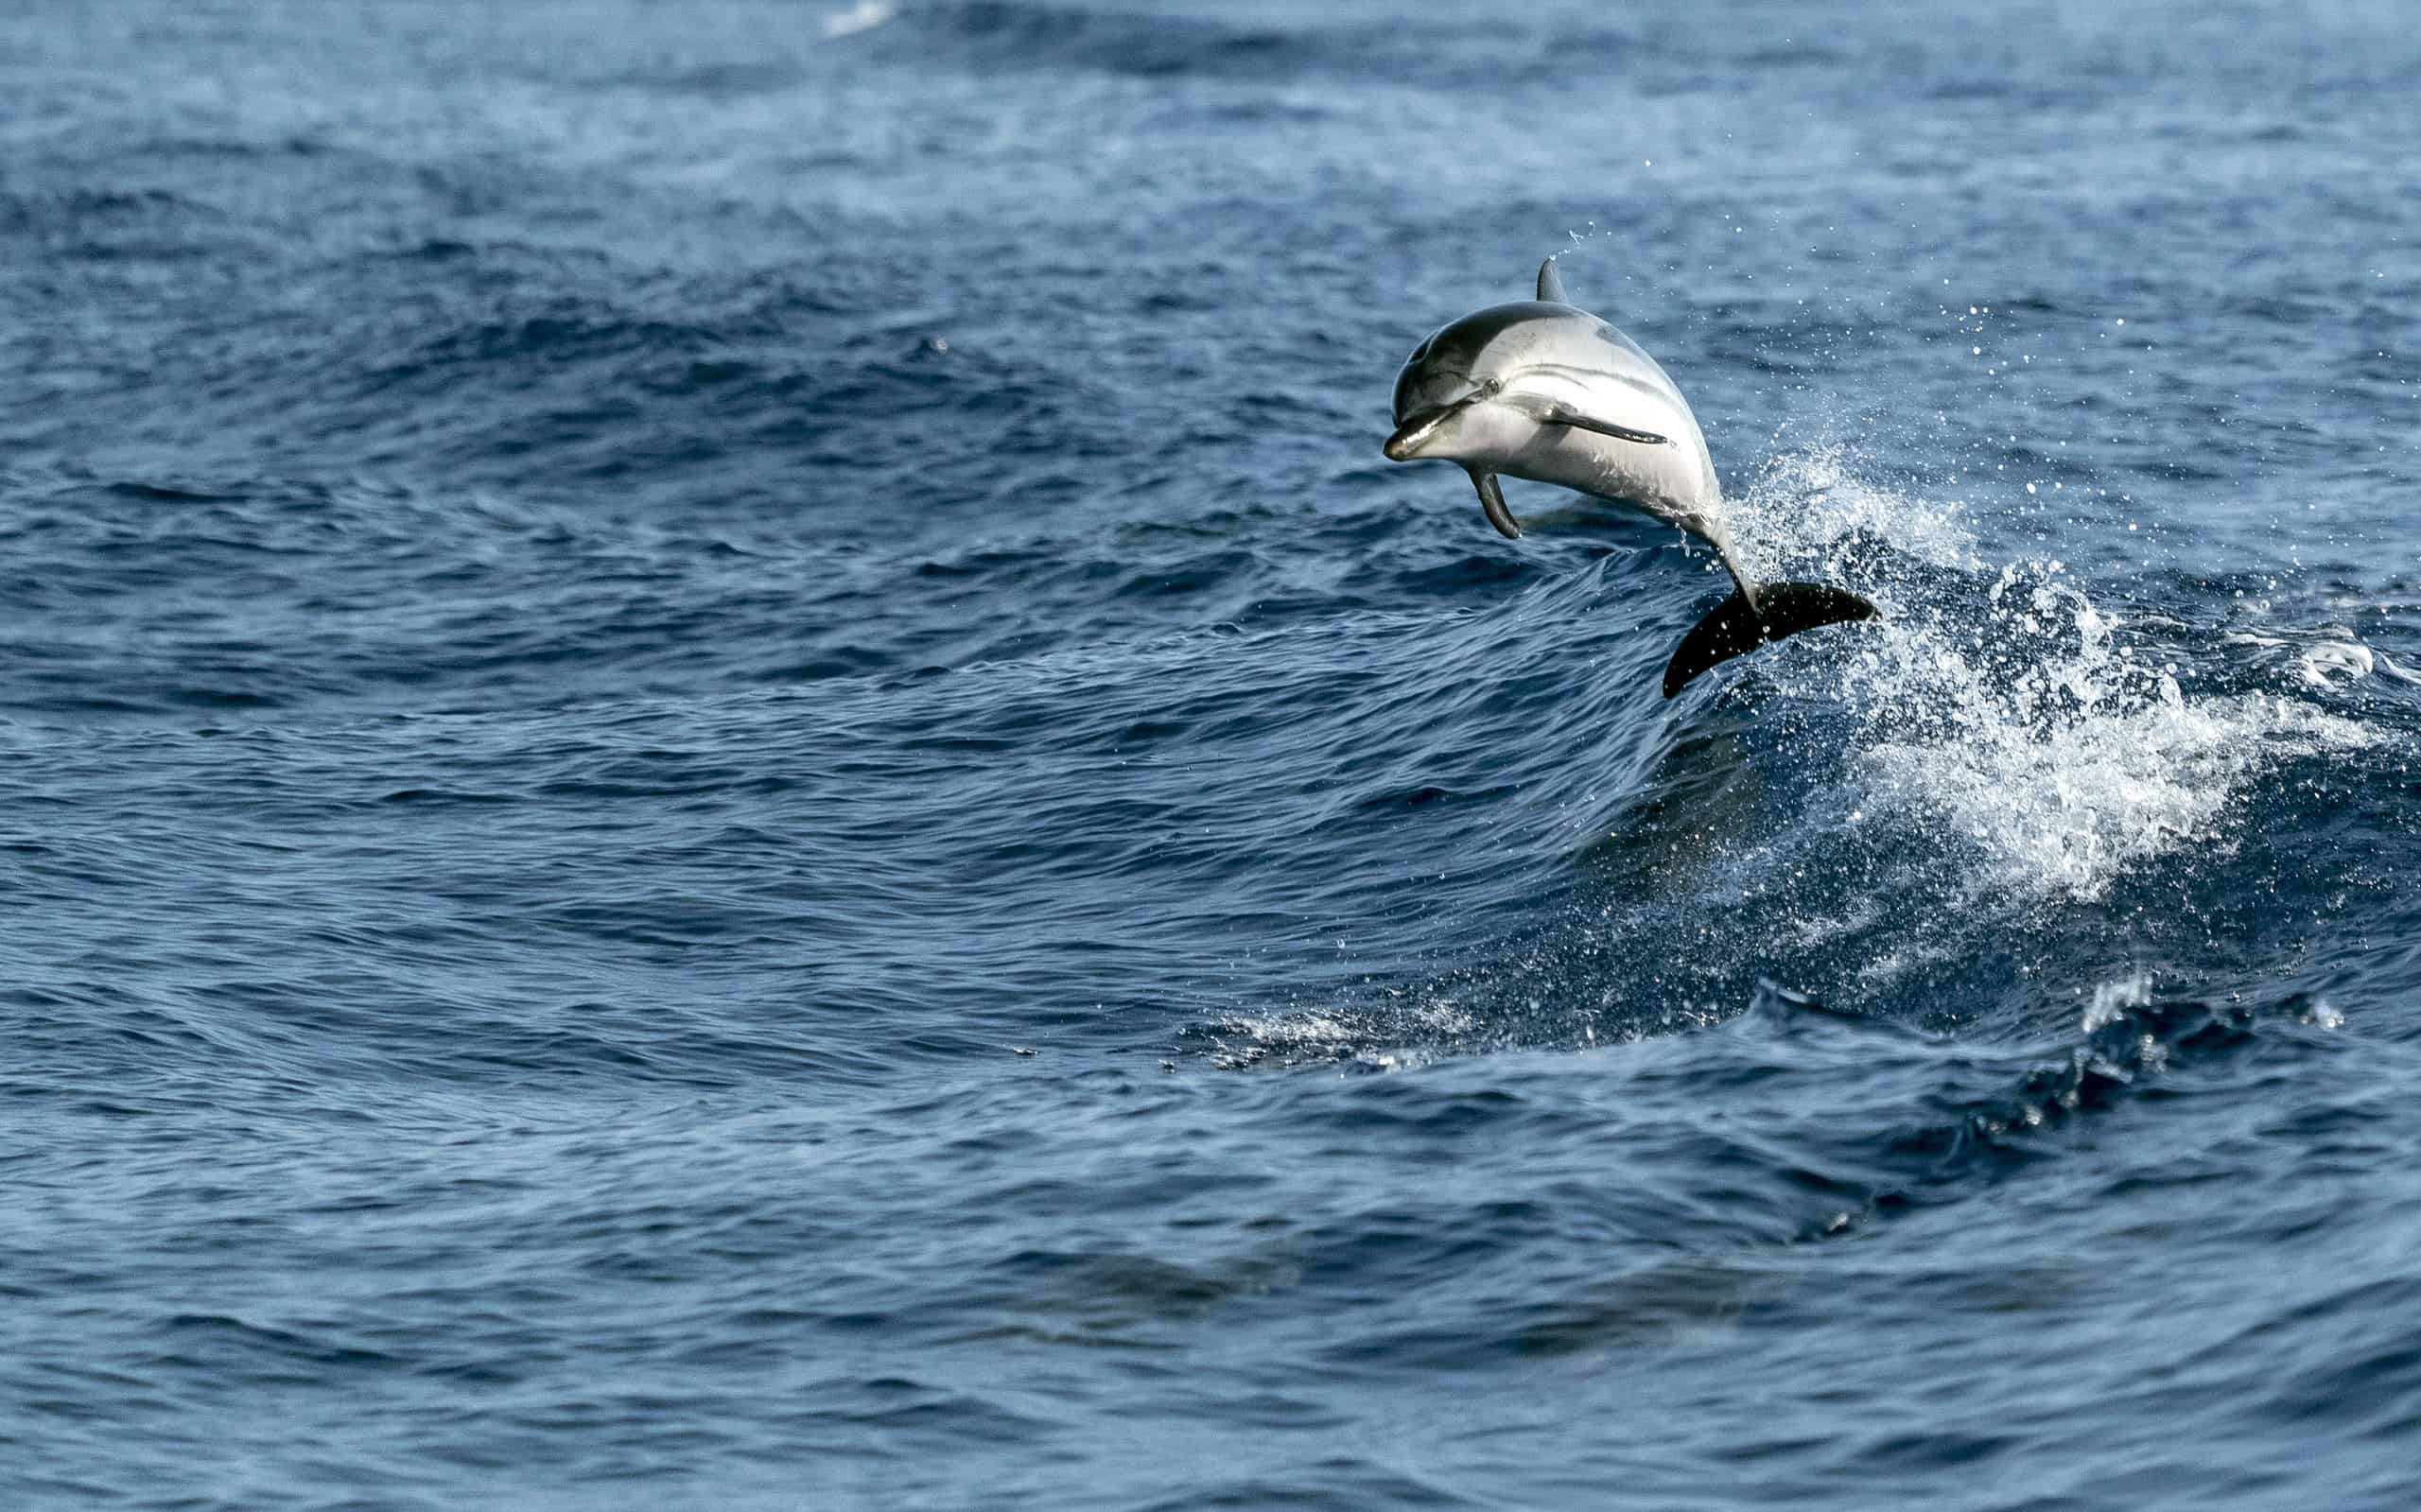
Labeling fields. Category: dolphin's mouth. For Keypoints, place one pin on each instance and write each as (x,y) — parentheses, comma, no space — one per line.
(1405,444)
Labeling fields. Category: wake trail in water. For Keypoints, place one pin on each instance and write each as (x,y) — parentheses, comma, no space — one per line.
(1993,772)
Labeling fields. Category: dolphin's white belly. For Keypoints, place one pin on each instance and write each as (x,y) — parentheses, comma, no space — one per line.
(1675,479)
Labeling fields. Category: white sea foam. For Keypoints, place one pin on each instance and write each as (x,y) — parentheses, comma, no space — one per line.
(863,16)
(1306,1031)
(2039,743)
(2112,998)
(2068,809)
(1335,1034)
(2334,662)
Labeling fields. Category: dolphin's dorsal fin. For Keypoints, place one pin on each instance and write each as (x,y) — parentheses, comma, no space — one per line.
(1550,285)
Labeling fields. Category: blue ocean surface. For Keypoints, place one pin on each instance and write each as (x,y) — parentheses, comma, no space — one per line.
(729,779)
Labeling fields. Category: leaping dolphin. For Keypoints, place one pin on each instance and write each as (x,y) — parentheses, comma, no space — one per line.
(1545,391)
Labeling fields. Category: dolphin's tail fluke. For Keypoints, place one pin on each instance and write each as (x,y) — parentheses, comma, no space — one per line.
(1782,609)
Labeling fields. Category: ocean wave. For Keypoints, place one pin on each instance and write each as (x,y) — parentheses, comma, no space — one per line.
(1051,36)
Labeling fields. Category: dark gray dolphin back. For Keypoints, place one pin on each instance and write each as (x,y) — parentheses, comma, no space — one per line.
(1439,369)
(1537,334)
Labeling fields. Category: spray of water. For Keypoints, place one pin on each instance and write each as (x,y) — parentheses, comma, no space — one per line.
(2022,726)
(1998,748)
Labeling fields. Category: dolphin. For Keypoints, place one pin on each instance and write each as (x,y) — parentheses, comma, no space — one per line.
(1545,391)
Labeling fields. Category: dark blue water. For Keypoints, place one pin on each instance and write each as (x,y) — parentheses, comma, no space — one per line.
(729,779)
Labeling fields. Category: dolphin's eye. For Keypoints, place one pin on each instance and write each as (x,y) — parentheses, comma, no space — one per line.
(1490,388)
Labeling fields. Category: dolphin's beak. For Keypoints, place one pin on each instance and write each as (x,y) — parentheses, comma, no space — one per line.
(1404,446)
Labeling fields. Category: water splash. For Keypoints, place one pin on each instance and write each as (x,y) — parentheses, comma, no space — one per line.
(2028,730)
(2000,747)
(2053,751)
(2113,1000)
(1811,509)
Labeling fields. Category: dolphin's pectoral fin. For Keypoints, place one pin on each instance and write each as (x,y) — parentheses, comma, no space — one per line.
(1565,415)
(1491,502)
(1555,412)
(1551,284)
(1783,609)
